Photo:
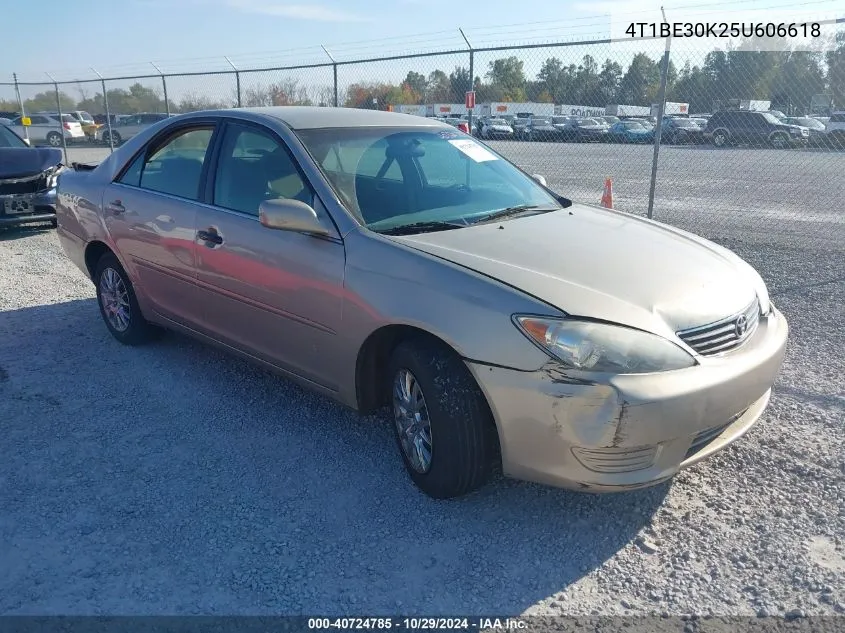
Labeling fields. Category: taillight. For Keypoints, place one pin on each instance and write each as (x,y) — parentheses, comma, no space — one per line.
(66,125)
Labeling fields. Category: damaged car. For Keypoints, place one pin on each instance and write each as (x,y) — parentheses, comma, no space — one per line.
(395,264)
(28,177)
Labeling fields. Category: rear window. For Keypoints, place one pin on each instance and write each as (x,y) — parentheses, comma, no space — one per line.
(68,119)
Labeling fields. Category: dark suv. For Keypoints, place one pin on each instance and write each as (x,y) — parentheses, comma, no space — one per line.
(740,127)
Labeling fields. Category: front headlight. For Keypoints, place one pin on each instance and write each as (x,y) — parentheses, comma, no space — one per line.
(600,347)
(53,179)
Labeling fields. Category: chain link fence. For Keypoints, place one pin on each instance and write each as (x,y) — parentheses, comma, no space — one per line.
(601,103)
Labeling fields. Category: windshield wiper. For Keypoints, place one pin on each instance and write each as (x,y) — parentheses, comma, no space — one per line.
(420,227)
(511,211)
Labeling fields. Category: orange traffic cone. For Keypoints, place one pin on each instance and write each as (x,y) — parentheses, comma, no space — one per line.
(607,196)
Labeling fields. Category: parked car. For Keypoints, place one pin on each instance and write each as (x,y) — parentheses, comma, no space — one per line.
(495,129)
(737,127)
(47,129)
(610,120)
(818,133)
(27,181)
(835,130)
(431,275)
(9,114)
(128,126)
(678,131)
(538,129)
(86,121)
(630,132)
(585,131)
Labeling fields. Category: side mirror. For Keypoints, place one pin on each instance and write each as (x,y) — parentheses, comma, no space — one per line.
(540,179)
(290,215)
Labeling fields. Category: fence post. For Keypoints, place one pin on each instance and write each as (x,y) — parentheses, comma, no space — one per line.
(163,85)
(20,105)
(658,128)
(108,113)
(61,121)
(471,76)
(237,79)
(334,72)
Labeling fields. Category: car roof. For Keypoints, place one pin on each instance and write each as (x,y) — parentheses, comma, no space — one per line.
(313,117)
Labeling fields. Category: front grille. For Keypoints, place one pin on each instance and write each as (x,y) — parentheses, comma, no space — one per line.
(29,184)
(616,460)
(723,335)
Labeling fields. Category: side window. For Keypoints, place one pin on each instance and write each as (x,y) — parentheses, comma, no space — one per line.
(254,167)
(38,120)
(132,176)
(176,167)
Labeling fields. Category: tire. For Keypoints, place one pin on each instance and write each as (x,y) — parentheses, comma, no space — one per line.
(54,223)
(115,137)
(54,139)
(720,138)
(111,279)
(461,432)
(779,140)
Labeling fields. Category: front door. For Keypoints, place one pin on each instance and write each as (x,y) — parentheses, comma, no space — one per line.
(150,213)
(275,294)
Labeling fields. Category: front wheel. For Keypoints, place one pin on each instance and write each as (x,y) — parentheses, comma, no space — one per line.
(54,139)
(720,138)
(118,305)
(444,428)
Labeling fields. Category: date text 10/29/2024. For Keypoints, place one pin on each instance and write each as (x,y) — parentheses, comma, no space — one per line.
(418,624)
(724,29)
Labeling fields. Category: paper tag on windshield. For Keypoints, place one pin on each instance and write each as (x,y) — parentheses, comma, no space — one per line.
(475,151)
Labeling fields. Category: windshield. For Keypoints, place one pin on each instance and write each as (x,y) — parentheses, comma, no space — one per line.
(633,125)
(9,138)
(86,117)
(592,122)
(684,123)
(771,118)
(394,176)
(498,122)
(558,120)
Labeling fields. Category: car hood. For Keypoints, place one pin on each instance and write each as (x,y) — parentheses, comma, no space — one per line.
(603,264)
(19,162)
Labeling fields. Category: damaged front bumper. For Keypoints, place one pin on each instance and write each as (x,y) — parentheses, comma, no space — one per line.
(567,429)
(28,207)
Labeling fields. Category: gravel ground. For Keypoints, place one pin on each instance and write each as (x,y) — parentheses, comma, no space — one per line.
(174,479)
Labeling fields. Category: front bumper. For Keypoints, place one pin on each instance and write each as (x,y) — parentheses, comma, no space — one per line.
(631,431)
(29,207)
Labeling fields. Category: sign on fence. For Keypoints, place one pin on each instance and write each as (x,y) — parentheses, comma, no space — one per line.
(470,99)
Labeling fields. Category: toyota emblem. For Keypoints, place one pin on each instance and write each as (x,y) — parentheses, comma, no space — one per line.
(741,326)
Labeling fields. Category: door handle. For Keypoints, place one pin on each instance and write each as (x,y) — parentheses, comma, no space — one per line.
(210,236)
(116,206)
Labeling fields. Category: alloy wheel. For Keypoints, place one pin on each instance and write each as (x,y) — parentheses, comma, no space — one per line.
(411,417)
(115,299)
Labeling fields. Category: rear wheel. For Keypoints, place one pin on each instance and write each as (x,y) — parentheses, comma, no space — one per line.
(114,136)
(443,426)
(720,138)
(118,305)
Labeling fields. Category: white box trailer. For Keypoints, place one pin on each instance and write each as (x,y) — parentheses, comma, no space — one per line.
(510,108)
(671,108)
(445,109)
(621,110)
(578,110)
(418,110)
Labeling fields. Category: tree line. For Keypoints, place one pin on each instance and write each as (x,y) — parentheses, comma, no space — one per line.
(787,78)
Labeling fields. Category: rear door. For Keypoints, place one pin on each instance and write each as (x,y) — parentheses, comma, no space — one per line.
(150,211)
(274,294)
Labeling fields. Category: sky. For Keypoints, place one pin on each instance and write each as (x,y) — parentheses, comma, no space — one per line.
(128,37)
